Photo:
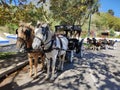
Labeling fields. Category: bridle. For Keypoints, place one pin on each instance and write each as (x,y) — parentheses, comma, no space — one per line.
(44,42)
(24,41)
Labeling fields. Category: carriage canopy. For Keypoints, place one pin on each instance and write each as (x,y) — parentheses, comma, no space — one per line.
(68,27)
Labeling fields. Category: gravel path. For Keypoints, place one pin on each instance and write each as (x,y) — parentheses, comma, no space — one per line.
(97,70)
(8,48)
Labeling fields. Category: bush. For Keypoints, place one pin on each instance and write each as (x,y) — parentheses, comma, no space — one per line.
(12,27)
(118,36)
(112,32)
(6,54)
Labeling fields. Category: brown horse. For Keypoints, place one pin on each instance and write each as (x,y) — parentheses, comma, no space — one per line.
(25,36)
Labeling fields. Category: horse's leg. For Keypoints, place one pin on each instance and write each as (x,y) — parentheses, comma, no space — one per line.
(53,67)
(62,61)
(71,56)
(31,66)
(35,64)
(94,47)
(54,58)
(98,47)
(42,63)
(48,68)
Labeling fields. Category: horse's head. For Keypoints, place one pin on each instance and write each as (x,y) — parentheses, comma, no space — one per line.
(41,35)
(25,34)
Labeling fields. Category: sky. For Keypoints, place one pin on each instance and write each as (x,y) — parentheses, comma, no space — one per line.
(110,4)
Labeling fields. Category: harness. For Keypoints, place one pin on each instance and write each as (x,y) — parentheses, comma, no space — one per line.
(53,42)
(61,45)
(50,48)
(44,44)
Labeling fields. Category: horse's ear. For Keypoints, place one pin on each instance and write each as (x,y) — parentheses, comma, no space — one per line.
(28,24)
(21,23)
(38,22)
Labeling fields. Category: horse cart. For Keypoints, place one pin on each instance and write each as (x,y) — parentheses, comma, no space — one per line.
(72,32)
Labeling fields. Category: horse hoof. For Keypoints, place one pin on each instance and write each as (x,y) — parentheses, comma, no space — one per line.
(46,78)
(59,70)
(51,80)
(31,75)
(35,77)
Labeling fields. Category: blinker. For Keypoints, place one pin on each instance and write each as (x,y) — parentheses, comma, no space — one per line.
(16,31)
(28,33)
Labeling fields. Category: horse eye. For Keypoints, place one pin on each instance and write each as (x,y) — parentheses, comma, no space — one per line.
(16,31)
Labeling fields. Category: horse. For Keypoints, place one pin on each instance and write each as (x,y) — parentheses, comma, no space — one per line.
(94,43)
(53,45)
(111,44)
(25,35)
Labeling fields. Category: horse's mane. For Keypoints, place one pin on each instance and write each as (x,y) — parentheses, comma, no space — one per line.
(28,25)
(39,23)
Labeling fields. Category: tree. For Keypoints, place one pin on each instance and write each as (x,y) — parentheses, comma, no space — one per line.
(71,12)
(111,12)
(21,11)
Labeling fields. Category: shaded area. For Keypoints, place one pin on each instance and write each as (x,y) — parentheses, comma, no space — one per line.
(8,48)
(11,60)
(77,75)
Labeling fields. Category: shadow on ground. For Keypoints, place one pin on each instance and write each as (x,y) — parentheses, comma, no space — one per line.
(73,76)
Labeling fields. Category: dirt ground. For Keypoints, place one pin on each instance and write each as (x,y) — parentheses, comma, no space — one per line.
(12,60)
(97,70)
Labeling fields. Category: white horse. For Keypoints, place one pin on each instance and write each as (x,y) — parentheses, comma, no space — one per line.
(53,45)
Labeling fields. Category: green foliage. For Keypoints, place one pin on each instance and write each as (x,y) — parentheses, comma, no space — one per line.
(15,14)
(117,36)
(6,54)
(112,33)
(63,11)
(111,12)
(12,27)
(60,12)
(72,12)
(106,21)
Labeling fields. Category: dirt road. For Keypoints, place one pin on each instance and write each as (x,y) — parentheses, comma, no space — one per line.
(97,70)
